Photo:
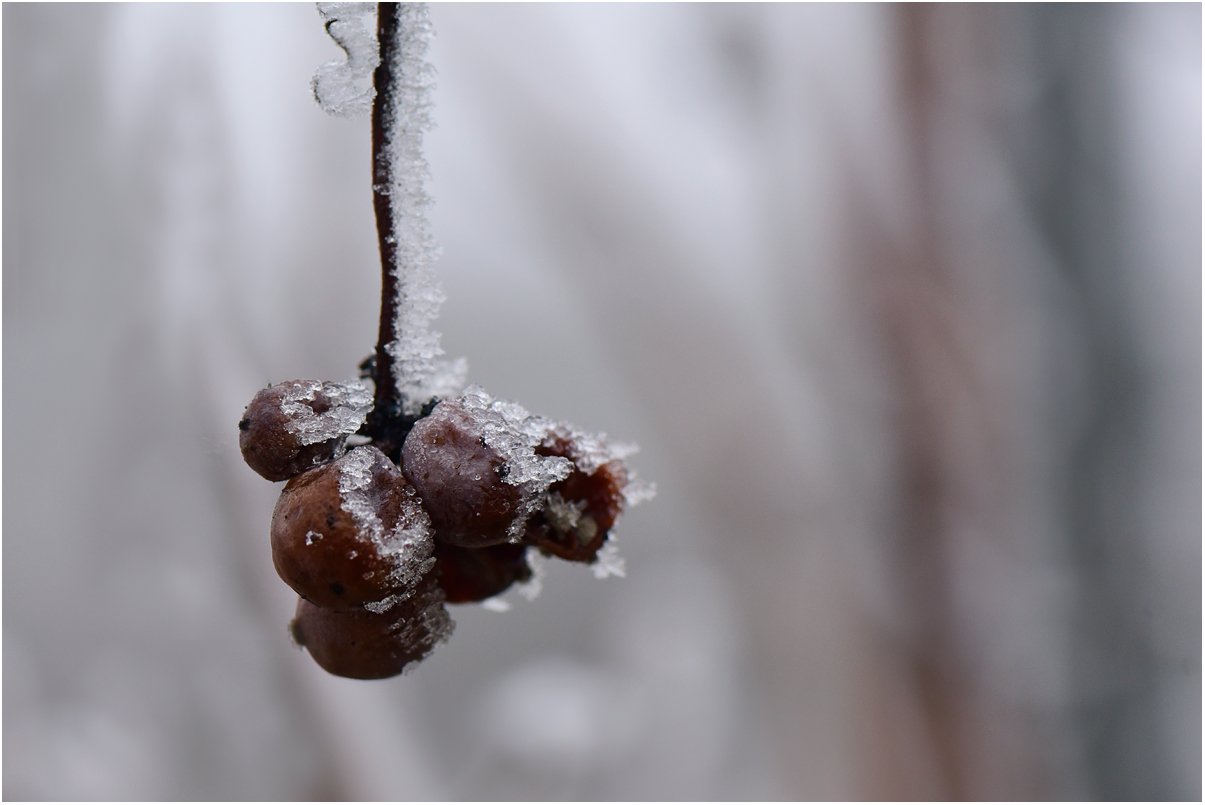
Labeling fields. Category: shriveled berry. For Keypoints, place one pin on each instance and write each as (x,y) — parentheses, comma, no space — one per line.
(461,478)
(291,427)
(580,510)
(370,645)
(475,574)
(351,533)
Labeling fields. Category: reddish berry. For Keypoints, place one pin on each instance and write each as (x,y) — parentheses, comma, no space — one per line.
(581,509)
(291,427)
(351,533)
(369,645)
(473,464)
(475,574)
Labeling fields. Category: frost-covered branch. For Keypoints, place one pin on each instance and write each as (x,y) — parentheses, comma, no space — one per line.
(408,371)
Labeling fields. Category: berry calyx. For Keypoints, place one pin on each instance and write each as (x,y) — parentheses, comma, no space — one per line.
(580,510)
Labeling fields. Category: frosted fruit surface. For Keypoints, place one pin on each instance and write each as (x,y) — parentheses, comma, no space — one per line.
(293,426)
(352,534)
(473,461)
(319,411)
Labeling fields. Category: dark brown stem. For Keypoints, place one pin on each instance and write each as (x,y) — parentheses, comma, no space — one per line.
(386,425)
(382,178)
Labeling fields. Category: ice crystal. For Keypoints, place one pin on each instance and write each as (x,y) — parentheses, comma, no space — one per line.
(418,371)
(430,628)
(349,404)
(509,429)
(409,546)
(345,88)
(538,564)
(638,490)
(608,562)
(496,604)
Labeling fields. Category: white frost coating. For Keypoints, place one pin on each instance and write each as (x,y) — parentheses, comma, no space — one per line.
(590,451)
(355,476)
(563,515)
(349,407)
(638,490)
(496,604)
(417,370)
(531,588)
(345,88)
(408,549)
(432,627)
(609,562)
(509,429)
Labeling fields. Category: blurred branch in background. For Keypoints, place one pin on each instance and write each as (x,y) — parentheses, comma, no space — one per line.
(903,304)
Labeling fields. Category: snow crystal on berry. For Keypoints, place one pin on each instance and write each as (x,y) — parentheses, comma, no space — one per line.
(345,88)
(430,628)
(318,411)
(638,490)
(409,546)
(590,451)
(509,429)
(608,562)
(531,588)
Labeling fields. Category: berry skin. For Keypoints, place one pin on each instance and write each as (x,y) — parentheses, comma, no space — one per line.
(460,478)
(368,645)
(291,427)
(475,574)
(351,533)
(581,509)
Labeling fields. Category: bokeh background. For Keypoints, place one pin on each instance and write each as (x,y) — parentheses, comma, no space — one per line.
(903,304)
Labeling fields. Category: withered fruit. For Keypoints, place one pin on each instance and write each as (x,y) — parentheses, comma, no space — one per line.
(581,509)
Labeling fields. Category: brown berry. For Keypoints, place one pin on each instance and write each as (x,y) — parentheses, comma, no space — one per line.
(460,478)
(291,427)
(475,574)
(581,509)
(369,645)
(351,533)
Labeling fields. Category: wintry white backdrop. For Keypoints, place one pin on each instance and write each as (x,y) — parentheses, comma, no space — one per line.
(902,305)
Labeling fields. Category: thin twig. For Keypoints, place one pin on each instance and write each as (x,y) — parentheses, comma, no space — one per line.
(382,113)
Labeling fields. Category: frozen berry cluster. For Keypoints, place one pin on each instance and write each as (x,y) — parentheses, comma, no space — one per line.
(440,508)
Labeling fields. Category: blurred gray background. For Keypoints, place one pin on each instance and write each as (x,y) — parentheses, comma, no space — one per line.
(903,304)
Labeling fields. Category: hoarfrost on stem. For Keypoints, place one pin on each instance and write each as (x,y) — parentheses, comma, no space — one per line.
(344,88)
(418,372)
